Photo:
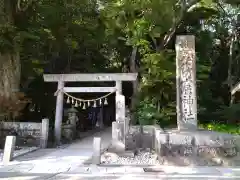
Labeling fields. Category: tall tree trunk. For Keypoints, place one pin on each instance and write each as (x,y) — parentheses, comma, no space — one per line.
(134,69)
(230,83)
(10,67)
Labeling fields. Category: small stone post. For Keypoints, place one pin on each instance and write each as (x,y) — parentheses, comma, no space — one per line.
(114,131)
(96,158)
(44,133)
(186,83)
(9,149)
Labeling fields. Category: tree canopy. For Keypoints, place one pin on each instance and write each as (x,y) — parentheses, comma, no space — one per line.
(122,36)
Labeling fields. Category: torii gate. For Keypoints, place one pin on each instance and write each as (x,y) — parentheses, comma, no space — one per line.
(95,77)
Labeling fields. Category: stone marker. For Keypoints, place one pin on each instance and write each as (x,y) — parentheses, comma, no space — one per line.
(114,131)
(96,158)
(9,149)
(44,133)
(186,83)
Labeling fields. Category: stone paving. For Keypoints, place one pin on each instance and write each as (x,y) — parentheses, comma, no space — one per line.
(20,152)
(71,162)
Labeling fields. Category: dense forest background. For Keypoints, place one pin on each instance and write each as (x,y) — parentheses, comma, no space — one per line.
(86,36)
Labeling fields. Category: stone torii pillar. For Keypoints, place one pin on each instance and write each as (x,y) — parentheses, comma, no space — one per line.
(120,114)
(58,115)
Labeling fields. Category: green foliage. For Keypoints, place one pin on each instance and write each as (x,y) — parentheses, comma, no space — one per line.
(79,36)
(230,113)
(146,112)
(9,38)
(222,128)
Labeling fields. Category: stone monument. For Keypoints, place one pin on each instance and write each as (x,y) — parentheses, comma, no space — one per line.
(188,138)
(186,83)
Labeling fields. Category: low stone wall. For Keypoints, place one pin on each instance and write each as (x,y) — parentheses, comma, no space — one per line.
(201,143)
(182,143)
(141,137)
(27,133)
(198,143)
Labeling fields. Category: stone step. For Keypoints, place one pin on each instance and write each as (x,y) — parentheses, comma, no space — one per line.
(127,154)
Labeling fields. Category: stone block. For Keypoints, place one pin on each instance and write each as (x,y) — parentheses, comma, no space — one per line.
(163,138)
(114,131)
(116,147)
(147,141)
(67,132)
(163,150)
(207,151)
(9,149)
(96,158)
(44,133)
(120,132)
(214,139)
(180,139)
(134,129)
(229,142)
(156,140)
(148,129)
(128,154)
(131,143)
(237,142)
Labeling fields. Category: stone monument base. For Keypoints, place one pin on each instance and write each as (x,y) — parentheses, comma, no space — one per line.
(201,144)
(173,147)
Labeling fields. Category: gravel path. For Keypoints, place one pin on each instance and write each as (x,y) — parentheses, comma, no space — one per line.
(145,157)
(141,158)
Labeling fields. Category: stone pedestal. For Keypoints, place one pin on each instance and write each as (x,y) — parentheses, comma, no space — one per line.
(72,120)
(68,132)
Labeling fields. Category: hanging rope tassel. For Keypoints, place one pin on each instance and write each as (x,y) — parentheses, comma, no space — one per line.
(76,104)
(84,106)
(68,100)
(95,104)
(89,104)
(100,102)
(72,101)
(105,101)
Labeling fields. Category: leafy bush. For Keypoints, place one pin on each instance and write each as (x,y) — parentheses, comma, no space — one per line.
(222,128)
(148,113)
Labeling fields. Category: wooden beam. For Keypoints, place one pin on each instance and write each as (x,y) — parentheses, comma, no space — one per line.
(90,77)
(88,89)
(235,88)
